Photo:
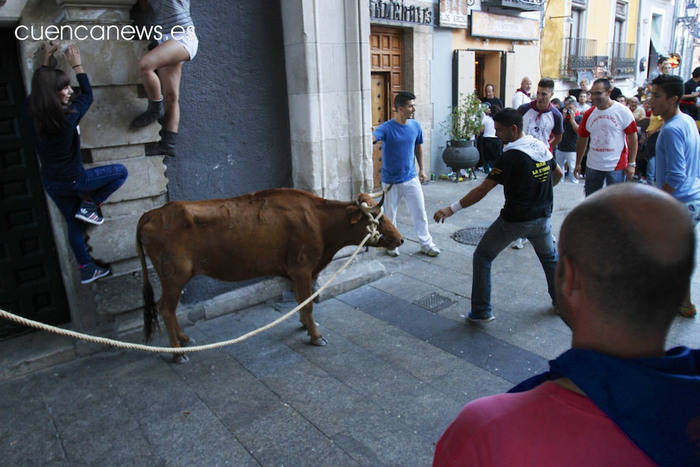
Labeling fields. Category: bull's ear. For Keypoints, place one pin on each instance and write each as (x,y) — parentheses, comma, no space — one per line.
(354,214)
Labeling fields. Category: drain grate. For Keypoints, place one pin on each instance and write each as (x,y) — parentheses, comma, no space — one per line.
(470,235)
(434,302)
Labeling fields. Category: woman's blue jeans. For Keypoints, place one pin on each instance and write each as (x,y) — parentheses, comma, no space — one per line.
(93,185)
(498,236)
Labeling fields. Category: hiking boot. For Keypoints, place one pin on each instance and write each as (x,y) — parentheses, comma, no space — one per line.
(164,147)
(481,317)
(394,252)
(91,272)
(431,251)
(154,111)
(88,213)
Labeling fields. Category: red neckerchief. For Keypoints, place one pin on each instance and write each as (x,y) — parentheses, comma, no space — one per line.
(533,105)
(526,93)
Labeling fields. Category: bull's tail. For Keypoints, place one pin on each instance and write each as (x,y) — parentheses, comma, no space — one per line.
(150,312)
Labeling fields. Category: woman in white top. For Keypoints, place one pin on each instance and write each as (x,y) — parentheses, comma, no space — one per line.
(491,146)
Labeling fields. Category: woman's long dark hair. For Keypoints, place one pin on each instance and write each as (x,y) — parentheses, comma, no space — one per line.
(45,103)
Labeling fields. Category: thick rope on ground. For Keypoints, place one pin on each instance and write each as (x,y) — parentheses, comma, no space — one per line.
(198,348)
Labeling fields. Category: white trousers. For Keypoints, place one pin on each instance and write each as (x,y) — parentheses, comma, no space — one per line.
(569,158)
(412,192)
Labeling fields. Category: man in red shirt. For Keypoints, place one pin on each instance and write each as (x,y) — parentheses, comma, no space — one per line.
(611,128)
(615,398)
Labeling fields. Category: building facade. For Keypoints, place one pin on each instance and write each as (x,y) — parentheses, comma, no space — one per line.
(586,39)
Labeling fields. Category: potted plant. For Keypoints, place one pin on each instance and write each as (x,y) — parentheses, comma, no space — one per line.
(462,125)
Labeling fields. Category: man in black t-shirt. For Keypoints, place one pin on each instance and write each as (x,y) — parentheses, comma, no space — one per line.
(566,150)
(528,173)
(691,91)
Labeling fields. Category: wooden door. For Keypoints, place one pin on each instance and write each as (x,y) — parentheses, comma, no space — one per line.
(386,54)
(30,278)
(381,112)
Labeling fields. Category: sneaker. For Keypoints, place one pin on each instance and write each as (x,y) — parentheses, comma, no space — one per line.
(91,272)
(88,213)
(431,251)
(518,244)
(483,318)
(392,252)
(571,179)
(688,311)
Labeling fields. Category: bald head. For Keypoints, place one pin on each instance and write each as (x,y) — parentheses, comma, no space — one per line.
(525,84)
(635,245)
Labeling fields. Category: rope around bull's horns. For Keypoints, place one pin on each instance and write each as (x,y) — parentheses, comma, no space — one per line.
(373,234)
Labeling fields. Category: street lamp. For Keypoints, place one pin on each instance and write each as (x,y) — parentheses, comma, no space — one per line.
(690,20)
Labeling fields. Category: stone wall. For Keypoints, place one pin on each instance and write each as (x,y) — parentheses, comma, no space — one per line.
(327,51)
(235,124)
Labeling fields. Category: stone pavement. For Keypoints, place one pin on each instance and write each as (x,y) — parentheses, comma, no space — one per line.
(392,377)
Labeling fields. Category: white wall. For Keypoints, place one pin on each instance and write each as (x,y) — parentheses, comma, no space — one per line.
(647,8)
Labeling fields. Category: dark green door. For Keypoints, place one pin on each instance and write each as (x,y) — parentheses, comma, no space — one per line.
(30,279)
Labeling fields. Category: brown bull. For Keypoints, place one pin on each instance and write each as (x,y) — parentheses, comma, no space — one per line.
(279,232)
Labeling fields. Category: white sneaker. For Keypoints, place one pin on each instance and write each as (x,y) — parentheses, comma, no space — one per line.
(518,244)
(572,179)
(431,251)
(392,252)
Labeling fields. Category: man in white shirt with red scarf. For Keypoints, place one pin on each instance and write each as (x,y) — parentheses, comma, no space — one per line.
(522,95)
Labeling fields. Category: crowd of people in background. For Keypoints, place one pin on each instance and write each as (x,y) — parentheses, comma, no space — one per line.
(601,137)
(572,109)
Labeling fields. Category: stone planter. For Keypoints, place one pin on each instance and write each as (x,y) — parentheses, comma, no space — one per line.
(460,154)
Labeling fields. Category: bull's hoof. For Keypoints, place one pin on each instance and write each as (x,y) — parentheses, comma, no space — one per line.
(188,343)
(180,358)
(319,341)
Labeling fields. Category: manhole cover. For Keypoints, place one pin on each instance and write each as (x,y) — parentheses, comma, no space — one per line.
(434,302)
(470,235)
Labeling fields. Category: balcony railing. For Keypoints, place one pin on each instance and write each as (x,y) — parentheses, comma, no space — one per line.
(525,5)
(622,60)
(580,55)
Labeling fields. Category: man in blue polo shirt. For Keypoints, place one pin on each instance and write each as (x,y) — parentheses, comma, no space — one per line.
(677,153)
(402,139)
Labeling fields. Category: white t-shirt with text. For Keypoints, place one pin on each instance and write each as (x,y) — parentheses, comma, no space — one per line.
(608,130)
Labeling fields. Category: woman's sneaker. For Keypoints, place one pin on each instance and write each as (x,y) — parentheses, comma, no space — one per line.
(91,272)
(88,213)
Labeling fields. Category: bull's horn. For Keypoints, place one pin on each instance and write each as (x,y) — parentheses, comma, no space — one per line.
(381,202)
(376,194)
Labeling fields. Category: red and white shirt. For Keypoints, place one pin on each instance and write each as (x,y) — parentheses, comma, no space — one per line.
(608,130)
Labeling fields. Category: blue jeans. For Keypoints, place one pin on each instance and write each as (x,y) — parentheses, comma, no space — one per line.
(499,235)
(651,170)
(93,185)
(596,179)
